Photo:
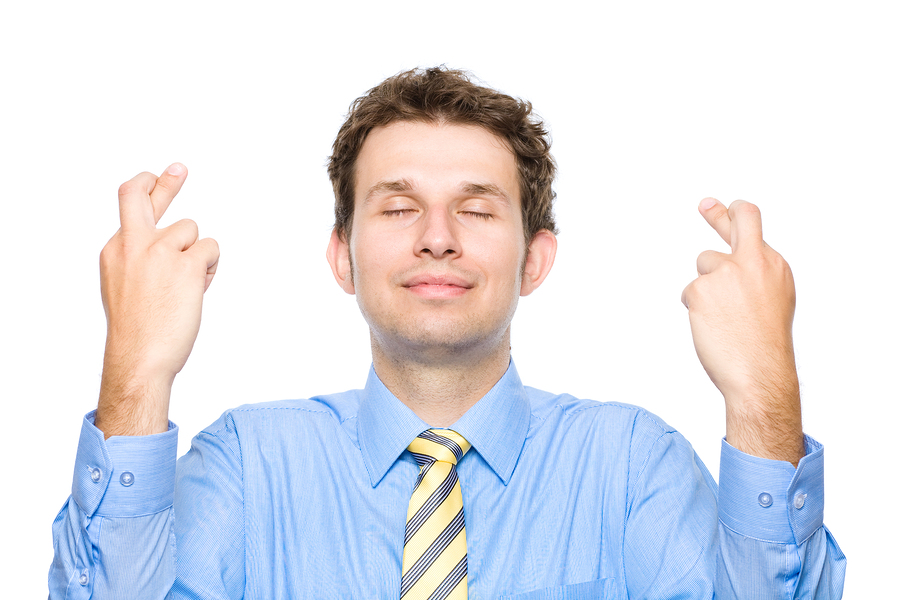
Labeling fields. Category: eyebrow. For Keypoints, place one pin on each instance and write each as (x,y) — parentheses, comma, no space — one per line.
(485,189)
(469,188)
(397,185)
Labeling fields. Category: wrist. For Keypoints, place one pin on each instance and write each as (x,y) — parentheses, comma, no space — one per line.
(132,404)
(771,430)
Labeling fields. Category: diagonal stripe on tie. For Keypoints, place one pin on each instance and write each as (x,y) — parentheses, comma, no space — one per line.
(438,447)
(434,552)
(450,584)
(423,459)
(438,560)
(431,504)
(422,540)
(431,480)
(444,441)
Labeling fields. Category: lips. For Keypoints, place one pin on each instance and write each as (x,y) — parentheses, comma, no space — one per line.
(437,286)
(437,279)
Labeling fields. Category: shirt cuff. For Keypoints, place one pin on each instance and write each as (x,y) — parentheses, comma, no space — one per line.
(769,499)
(124,476)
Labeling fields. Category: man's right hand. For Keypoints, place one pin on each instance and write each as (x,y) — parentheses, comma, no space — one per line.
(152,283)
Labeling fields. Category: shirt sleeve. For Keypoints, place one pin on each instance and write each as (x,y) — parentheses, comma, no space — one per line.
(115,537)
(771,528)
(756,535)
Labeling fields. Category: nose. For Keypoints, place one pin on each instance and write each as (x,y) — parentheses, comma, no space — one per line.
(438,237)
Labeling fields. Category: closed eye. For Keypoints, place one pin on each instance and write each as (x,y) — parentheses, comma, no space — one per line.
(396,212)
(480,215)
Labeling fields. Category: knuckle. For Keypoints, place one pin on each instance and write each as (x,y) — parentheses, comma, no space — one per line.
(687,294)
(163,183)
(746,208)
(107,256)
(728,268)
(127,188)
(160,249)
(134,184)
(114,248)
(776,256)
(772,261)
(719,212)
(189,225)
(701,260)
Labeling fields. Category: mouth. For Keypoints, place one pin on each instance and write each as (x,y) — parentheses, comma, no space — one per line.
(437,286)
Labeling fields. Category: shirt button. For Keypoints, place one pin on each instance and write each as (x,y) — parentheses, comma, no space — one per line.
(799,500)
(765,500)
(83,580)
(96,474)
(126,479)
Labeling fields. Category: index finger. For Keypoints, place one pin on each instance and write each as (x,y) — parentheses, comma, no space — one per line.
(144,198)
(167,187)
(718,218)
(746,226)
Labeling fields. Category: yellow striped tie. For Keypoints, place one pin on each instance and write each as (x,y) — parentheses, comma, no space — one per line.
(434,552)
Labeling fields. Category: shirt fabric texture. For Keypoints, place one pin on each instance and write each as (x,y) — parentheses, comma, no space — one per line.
(564,498)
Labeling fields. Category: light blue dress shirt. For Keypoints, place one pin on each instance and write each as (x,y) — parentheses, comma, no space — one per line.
(564,498)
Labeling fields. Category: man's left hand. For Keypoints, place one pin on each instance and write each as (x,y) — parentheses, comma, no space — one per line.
(741,308)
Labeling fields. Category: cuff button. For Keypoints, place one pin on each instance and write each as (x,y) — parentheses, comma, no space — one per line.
(96,475)
(799,500)
(765,500)
(126,479)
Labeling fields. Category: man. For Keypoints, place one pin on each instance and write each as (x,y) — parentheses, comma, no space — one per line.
(444,477)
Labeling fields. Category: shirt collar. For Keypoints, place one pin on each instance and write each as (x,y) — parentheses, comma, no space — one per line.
(496,426)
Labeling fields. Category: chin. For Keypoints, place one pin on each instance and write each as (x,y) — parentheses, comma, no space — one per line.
(433,339)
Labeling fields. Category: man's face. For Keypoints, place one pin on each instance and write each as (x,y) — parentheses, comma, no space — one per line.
(437,249)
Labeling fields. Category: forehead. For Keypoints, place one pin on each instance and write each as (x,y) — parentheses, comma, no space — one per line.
(434,157)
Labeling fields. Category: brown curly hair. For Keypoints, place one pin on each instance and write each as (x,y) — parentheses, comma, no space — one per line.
(442,95)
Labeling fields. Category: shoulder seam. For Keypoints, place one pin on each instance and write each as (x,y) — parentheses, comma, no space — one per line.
(597,404)
(256,408)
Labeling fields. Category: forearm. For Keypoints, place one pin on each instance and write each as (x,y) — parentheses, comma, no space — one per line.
(131,404)
(765,421)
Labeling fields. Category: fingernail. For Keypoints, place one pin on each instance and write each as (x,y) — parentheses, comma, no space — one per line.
(176,169)
(707,203)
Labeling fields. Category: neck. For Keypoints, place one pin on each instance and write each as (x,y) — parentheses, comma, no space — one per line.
(440,391)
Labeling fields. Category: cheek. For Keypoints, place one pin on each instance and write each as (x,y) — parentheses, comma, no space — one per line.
(371,257)
(504,260)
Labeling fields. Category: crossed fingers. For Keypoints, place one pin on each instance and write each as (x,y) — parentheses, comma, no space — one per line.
(739,225)
(143,201)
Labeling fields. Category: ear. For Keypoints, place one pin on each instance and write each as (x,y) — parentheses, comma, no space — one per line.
(338,254)
(541,253)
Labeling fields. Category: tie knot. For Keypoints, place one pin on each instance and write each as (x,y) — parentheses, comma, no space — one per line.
(443,445)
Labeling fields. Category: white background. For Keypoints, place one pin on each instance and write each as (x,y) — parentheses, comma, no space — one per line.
(793,106)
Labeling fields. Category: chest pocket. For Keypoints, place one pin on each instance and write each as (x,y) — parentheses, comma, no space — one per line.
(601,589)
